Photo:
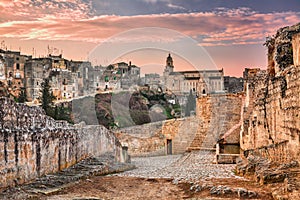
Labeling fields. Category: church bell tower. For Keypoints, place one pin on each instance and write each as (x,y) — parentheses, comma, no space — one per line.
(169,65)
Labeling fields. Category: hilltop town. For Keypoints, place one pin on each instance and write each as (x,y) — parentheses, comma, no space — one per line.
(72,79)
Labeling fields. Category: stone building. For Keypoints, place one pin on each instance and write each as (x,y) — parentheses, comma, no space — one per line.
(85,77)
(64,84)
(66,77)
(199,82)
(129,74)
(12,70)
(58,61)
(233,84)
(36,70)
(118,76)
(153,80)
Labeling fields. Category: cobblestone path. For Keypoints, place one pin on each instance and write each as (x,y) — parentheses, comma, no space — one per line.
(189,167)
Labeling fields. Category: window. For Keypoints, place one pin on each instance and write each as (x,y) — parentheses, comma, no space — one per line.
(18,66)
(37,83)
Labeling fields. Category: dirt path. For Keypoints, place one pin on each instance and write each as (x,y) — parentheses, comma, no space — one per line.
(114,187)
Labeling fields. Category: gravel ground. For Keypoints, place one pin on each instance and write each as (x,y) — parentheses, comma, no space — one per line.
(189,167)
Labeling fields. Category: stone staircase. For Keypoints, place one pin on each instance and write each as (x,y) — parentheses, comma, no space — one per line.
(213,125)
(187,131)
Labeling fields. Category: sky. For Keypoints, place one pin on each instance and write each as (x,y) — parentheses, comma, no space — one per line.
(200,34)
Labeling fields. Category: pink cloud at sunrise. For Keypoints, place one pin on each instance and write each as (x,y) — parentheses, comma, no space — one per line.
(36,24)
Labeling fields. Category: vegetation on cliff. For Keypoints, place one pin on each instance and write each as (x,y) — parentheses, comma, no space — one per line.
(125,108)
(57,112)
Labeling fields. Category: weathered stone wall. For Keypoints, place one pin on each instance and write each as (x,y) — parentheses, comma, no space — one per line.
(151,139)
(220,119)
(281,49)
(271,118)
(296,49)
(143,140)
(143,131)
(33,144)
(181,132)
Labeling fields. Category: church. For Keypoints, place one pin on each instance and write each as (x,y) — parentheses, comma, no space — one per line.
(199,82)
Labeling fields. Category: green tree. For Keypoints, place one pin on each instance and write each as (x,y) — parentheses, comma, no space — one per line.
(191,104)
(62,113)
(47,98)
(22,96)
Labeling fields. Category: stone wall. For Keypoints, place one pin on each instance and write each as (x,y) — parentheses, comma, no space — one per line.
(271,117)
(181,132)
(151,139)
(33,144)
(220,119)
(143,131)
(296,49)
(281,49)
(149,142)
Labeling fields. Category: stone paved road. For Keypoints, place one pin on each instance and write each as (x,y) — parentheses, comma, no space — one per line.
(189,167)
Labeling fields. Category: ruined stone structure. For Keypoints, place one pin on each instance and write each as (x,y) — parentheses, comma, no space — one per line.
(270,132)
(271,123)
(33,144)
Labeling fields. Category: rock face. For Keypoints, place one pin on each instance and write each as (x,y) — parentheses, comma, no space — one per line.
(33,144)
(270,132)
